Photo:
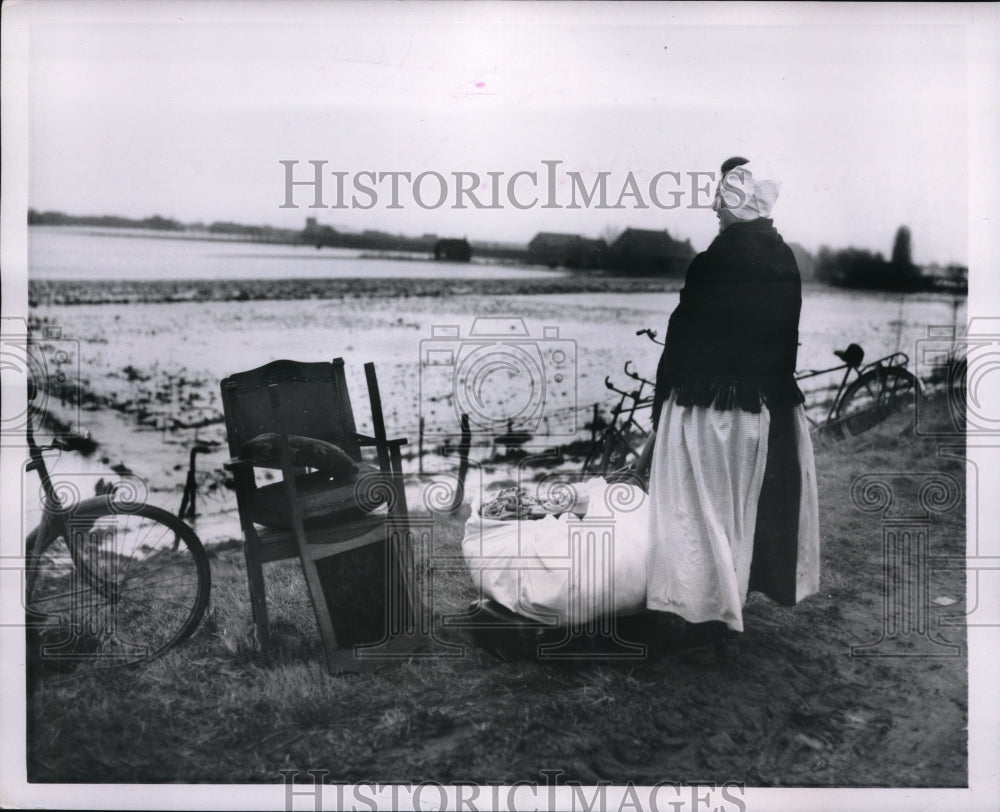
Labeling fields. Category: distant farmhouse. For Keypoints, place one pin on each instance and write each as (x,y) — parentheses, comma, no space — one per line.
(645,252)
(375,240)
(566,250)
(637,251)
(453,250)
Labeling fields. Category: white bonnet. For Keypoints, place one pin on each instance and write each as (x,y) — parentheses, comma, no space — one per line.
(747,191)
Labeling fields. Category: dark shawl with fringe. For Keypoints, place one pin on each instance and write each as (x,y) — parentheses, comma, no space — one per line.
(733,339)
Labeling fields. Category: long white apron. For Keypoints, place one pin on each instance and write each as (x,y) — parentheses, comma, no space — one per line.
(707,471)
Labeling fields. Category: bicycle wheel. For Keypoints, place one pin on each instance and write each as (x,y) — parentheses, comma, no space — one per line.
(619,451)
(610,452)
(873,397)
(128,583)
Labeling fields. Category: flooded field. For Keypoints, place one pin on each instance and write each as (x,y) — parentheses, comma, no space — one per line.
(525,349)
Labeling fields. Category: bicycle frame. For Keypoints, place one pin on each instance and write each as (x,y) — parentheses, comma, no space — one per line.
(813,373)
(37,463)
(894,364)
(638,402)
(895,359)
(55,520)
(52,512)
(619,435)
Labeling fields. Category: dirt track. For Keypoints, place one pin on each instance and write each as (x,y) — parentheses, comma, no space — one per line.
(794,708)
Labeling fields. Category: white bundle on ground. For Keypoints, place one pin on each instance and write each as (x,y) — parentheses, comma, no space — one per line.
(566,570)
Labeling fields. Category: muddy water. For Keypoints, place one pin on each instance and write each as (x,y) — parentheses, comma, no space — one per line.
(469,342)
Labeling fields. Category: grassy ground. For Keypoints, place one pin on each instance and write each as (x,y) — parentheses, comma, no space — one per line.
(794,708)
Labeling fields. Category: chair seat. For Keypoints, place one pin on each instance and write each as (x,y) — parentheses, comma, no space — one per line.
(322,500)
(332,539)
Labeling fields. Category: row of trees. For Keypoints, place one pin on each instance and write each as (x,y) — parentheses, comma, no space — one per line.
(57,218)
(858,268)
(849,267)
(158,223)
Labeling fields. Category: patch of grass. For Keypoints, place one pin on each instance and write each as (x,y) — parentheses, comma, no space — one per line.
(793,709)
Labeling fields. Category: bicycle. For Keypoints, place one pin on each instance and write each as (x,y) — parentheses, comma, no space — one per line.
(109,580)
(615,448)
(881,387)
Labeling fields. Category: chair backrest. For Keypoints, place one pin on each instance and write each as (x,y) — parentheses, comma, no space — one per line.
(314,403)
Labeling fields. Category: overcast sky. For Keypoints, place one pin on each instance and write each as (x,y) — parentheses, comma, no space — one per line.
(865,121)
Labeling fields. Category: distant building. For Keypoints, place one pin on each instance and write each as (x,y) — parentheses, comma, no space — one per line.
(507,253)
(318,235)
(641,251)
(453,250)
(567,250)
(949,277)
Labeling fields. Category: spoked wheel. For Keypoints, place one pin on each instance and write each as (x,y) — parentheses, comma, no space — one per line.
(120,585)
(610,453)
(875,396)
(619,453)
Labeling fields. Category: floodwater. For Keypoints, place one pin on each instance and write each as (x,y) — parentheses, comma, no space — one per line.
(540,359)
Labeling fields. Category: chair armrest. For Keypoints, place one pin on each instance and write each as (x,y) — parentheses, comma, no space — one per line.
(364,440)
(237,463)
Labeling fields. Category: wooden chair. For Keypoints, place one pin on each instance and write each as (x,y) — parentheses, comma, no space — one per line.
(311,515)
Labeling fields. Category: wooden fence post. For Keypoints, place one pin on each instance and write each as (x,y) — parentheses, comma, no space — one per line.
(420,446)
(465,443)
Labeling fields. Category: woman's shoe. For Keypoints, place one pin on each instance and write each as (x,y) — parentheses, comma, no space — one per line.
(726,647)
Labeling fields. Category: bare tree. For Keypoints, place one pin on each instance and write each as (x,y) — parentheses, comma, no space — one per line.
(902,248)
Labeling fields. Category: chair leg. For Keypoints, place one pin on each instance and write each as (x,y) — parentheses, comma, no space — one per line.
(258,600)
(313,584)
(333,656)
(403,549)
(405,604)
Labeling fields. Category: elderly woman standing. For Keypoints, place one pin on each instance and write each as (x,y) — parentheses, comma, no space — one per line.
(733,482)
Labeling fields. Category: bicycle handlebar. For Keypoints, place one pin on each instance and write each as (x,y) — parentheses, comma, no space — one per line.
(62,442)
(635,376)
(634,394)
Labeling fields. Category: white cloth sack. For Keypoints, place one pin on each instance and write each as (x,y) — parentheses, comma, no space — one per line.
(567,570)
